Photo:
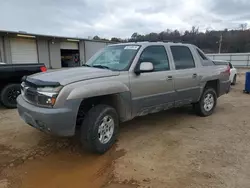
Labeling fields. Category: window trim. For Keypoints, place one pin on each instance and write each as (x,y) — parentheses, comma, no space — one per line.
(190,53)
(138,61)
(200,52)
(132,59)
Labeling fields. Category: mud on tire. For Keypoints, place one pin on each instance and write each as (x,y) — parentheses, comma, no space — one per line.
(207,103)
(99,128)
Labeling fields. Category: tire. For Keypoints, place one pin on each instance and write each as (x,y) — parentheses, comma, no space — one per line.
(9,95)
(207,110)
(234,80)
(91,133)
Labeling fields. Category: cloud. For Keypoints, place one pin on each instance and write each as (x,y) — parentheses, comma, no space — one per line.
(230,7)
(108,18)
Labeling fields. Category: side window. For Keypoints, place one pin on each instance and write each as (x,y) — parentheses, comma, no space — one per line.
(156,55)
(230,65)
(183,57)
(202,56)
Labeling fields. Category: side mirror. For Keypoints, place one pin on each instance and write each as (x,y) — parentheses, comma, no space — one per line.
(144,67)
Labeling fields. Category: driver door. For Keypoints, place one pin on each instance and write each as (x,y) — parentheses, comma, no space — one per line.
(152,91)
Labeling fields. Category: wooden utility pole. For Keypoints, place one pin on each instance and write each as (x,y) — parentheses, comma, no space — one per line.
(220,42)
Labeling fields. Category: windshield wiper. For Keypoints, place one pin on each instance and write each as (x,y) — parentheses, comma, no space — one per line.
(96,66)
(100,66)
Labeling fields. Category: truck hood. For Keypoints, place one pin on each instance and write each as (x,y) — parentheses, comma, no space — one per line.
(70,75)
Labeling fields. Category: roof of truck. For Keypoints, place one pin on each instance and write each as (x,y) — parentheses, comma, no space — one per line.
(152,43)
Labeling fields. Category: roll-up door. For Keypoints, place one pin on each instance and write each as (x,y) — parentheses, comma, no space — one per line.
(23,50)
(69,45)
(92,47)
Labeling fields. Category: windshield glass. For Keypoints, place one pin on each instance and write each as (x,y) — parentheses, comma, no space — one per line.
(117,58)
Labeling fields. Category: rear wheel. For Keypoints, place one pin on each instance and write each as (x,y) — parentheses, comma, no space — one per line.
(99,128)
(9,95)
(207,103)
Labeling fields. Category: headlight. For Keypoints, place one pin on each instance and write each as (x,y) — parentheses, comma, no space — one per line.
(47,95)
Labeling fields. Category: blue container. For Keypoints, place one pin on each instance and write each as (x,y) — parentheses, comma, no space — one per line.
(247,82)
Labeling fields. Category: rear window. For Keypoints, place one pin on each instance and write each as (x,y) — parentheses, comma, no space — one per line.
(183,57)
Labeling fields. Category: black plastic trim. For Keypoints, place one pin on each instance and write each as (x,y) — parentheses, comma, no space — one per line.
(41,83)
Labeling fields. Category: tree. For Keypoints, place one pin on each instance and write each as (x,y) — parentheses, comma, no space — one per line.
(96,38)
(233,40)
(243,26)
(114,39)
(134,36)
(194,30)
(152,37)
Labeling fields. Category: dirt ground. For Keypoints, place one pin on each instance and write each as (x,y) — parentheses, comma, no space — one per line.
(172,149)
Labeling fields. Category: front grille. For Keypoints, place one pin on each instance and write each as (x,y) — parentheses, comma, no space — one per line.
(29,93)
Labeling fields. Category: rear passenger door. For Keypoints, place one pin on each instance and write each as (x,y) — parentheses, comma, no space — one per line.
(185,76)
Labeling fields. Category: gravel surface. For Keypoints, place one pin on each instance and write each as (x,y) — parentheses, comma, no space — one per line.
(169,149)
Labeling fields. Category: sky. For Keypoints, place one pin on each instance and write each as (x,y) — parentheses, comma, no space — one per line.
(120,18)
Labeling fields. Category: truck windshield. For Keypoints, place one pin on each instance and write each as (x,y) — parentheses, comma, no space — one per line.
(116,58)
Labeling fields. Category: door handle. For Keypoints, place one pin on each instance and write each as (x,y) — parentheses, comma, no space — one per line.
(194,75)
(169,78)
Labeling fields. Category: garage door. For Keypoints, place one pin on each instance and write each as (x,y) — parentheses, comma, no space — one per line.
(69,45)
(23,50)
(92,47)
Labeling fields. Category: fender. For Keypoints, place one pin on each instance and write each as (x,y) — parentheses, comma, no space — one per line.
(204,83)
(97,89)
(209,75)
(121,100)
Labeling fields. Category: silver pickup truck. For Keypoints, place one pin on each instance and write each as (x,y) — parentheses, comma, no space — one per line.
(121,82)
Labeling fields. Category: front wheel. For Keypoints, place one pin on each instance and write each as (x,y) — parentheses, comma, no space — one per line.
(207,103)
(99,128)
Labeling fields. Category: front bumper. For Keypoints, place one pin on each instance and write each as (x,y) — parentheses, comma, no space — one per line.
(57,121)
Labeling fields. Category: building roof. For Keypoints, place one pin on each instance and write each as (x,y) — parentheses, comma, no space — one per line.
(33,35)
